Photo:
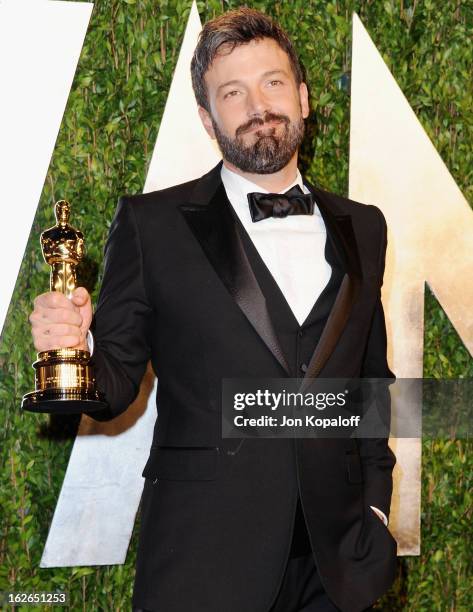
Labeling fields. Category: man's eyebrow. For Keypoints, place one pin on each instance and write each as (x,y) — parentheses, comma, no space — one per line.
(276,71)
(264,75)
(228,83)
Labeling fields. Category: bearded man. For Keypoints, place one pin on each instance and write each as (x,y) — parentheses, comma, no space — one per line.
(248,271)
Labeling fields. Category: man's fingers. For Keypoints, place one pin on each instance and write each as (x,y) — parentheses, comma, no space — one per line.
(46,316)
(53,299)
(49,343)
(57,329)
(58,322)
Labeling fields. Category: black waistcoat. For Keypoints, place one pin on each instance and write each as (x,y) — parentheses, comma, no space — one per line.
(297,341)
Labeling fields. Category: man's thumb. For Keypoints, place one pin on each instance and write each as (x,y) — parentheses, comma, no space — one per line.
(80,296)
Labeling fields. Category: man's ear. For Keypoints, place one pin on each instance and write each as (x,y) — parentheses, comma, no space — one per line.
(304,98)
(206,121)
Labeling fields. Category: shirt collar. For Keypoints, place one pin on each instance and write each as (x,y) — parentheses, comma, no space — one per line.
(240,187)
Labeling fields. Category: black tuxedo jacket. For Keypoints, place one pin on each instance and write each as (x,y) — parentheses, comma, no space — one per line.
(183,288)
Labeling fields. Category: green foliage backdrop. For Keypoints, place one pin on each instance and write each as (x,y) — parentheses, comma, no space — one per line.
(103,150)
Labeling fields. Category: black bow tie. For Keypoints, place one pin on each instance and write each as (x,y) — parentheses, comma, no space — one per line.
(278,205)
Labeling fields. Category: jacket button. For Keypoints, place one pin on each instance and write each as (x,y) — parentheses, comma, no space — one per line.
(304,368)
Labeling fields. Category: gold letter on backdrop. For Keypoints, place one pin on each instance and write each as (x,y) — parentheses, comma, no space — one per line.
(394,165)
(31,112)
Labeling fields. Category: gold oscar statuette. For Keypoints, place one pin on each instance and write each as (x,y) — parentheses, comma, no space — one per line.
(64,380)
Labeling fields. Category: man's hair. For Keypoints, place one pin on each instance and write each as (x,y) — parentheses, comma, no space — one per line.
(230,30)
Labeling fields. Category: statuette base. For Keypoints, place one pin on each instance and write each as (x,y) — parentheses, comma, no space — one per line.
(63,401)
(65,384)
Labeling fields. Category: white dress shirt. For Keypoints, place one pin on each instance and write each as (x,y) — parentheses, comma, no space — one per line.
(292,247)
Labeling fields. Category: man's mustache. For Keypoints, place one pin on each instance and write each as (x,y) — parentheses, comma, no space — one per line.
(259,121)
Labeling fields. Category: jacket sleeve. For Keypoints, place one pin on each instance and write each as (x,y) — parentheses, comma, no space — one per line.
(121,324)
(377,458)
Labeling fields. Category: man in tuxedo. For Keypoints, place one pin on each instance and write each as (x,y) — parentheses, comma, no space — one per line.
(248,271)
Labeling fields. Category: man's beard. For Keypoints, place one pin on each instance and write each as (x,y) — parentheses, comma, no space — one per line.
(269,153)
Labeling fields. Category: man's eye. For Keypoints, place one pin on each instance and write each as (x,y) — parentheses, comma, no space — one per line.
(230,94)
(275,82)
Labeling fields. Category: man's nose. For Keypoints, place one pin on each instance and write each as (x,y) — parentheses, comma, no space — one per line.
(257,103)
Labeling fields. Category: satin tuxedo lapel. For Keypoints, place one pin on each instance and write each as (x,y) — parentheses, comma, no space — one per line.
(210,217)
(340,231)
